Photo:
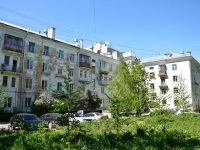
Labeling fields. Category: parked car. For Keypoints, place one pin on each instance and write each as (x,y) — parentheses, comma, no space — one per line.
(26,118)
(95,116)
(77,118)
(51,119)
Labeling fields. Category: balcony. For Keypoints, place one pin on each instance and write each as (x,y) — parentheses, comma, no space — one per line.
(84,80)
(11,69)
(85,65)
(103,70)
(163,85)
(103,82)
(13,48)
(162,73)
(60,75)
(46,72)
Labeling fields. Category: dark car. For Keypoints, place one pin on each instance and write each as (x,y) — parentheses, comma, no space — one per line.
(51,119)
(25,118)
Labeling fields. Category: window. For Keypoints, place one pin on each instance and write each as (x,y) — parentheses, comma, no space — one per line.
(93,69)
(72,57)
(31,47)
(151,68)
(28,83)
(94,83)
(103,64)
(13,43)
(30,64)
(46,51)
(175,78)
(84,58)
(59,86)
(60,70)
(13,82)
(102,90)
(102,105)
(6,60)
(164,102)
(72,87)
(110,67)
(85,74)
(175,90)
(60,54)
(7,102)
(152,85)
(176,102)
(163,91)
(162,68)
(44,84)
(71,73)
(45,67)
(81,73)
(93,60)
(28,102)
(162,80)
(174,67)
(5,80)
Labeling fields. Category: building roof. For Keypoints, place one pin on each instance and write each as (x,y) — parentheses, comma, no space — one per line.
(169,58)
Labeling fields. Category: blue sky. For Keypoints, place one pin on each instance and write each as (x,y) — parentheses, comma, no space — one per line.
(147,27)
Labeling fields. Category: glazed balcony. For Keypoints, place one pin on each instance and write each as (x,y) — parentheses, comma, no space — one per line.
(163,85)
(103,82)
(11,69)
(84,80)
(84,65)
(104,70)
(13,48)
(162,73)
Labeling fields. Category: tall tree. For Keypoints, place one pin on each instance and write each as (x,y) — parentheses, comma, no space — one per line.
(93,101)
(181,94)
(129,86)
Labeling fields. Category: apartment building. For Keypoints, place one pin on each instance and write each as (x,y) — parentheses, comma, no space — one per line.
(32,61)
(167,68)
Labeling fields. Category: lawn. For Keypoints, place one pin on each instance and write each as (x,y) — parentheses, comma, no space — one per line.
(135,133)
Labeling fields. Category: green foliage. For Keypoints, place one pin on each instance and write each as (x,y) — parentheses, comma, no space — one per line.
(93,100)
(129,86)
(3,90)
(182,95)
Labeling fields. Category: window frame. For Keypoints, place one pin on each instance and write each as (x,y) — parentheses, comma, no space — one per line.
(61,54)
(13,81)
(5,83)
(72,57)
(44,84)
(30,64)
(46,51)
(28,102)
(174,67)
(31,47)
(29,83)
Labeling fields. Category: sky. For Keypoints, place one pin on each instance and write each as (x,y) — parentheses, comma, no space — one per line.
(147,27)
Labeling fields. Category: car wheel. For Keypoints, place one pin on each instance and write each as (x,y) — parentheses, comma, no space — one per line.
(50,125)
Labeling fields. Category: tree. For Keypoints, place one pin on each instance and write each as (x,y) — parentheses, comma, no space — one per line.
(3,90)
(93,100)
(181,94)
(129,86)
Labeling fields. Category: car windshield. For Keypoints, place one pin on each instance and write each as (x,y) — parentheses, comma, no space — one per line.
(98,114)
(30,117)
(56,115)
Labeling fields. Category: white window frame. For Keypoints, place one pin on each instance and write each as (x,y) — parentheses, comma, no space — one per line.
(81,73)
(44,84)
(30,64)
(45,67)
(102,90)
(61,54)
(174,67)
(71,73)
(72,57)
(85,74)
(28,102)
(31,47)
(46,51)
(29,83)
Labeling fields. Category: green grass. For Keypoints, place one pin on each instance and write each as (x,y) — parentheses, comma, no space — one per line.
(142,133)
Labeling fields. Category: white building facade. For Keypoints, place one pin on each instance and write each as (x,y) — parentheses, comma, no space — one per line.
(167,69)
(31,62)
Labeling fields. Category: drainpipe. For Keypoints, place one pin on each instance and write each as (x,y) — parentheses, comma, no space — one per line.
(22,76)
(78,62)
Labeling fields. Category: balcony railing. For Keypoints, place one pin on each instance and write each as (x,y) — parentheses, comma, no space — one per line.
(84,80)
(11,68)
(14,48)
(162,72)
(103,70)
(163,85)
(83,64)
(46,72)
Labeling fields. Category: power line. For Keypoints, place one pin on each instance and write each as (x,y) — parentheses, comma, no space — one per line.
(63,29)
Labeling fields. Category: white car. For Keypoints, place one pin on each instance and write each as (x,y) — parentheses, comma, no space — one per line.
(77,118)
(95,116)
